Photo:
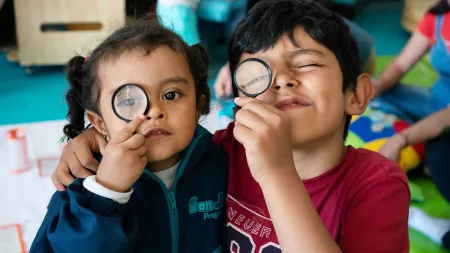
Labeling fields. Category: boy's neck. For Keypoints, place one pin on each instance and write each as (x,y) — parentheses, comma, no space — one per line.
(315,159)
(164,164)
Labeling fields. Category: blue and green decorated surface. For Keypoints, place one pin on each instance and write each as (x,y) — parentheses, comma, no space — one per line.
(373,128)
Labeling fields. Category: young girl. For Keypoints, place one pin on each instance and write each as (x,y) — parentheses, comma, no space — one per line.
(161,182)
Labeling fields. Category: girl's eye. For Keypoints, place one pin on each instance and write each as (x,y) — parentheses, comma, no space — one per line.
(172,95)
(127,102)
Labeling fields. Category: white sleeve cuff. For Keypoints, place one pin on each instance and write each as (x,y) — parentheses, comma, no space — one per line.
(120,197)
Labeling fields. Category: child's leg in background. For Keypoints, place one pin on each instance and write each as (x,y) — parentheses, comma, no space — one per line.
(181,18)
(222,13)
(438,160)
(209,33)
(239,11)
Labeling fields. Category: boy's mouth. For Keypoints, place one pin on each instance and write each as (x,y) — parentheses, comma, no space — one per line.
(157,133)
(290,103)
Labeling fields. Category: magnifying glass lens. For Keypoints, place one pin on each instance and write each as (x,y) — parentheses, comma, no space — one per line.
(130,101)
(253,77)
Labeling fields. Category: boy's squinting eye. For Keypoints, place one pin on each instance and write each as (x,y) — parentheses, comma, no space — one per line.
(171,95)
(308,65)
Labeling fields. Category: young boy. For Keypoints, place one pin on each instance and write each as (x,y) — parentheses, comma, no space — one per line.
(293,184)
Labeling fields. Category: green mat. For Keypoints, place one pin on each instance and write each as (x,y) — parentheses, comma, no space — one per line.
(436,206)
(422,74)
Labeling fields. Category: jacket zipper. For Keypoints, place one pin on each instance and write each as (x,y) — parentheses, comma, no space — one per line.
(174,221)
(170,197)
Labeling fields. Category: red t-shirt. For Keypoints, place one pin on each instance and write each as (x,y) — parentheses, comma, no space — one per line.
(427,26)
(363,202)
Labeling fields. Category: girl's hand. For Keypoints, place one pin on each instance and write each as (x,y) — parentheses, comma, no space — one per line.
(393,147)
(123,159)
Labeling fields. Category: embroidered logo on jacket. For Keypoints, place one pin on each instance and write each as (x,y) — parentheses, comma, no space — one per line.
(209,208)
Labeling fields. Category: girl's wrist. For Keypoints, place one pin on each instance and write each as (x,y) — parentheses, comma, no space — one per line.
(404,136)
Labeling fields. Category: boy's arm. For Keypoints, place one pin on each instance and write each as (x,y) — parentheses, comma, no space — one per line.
(296,221)
(376,220)
(81,221)
(77,159)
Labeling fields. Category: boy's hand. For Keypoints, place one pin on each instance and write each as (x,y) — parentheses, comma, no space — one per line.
(265,133)
(123,159)
(77,159)
(223,85)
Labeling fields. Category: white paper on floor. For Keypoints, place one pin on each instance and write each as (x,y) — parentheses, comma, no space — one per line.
(10,239)
(46,166)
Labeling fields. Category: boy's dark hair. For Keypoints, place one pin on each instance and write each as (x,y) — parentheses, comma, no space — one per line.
(144,34)
(268,21)
(440,8)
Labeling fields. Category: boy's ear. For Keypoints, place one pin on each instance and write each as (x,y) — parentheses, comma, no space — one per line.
(97,122)
(359,98)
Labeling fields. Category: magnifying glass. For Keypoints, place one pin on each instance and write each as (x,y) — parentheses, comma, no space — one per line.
(130,101)
(252,77)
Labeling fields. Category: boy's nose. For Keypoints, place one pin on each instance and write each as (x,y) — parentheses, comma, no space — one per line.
(285,80)
(155,112)
(289,85)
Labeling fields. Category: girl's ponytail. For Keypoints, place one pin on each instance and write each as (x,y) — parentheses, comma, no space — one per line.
(75,115)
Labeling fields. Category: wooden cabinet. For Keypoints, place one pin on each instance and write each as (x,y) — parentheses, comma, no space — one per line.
(50,32)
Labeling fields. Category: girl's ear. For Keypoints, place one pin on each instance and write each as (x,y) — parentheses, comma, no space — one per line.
(97,122)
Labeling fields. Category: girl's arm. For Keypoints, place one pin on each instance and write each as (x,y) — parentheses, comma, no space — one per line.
(80,221)
(424,130)
(428,128)
(416,47)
